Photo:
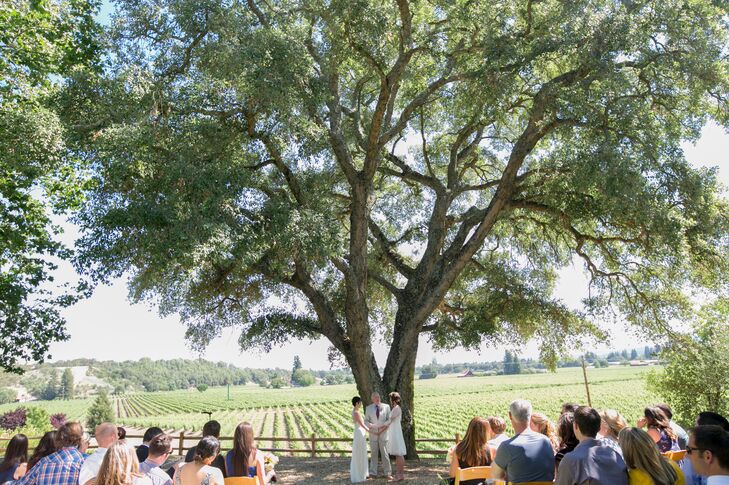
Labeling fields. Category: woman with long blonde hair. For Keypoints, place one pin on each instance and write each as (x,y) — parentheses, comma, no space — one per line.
(646,465)
(119,467)
(474,449)
(541,424)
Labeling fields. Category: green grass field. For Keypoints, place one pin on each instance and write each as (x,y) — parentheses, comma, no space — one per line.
(443,406)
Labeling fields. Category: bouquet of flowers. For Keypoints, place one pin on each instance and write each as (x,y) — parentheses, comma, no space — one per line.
(269,461)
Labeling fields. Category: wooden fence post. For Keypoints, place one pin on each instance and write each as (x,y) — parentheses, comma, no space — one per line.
(182,442)
(458,438)
(313,445)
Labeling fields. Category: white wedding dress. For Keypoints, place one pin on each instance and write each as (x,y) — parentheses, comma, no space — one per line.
(359,466)
(397,441)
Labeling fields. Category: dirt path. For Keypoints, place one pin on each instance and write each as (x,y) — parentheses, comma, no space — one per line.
(336,470)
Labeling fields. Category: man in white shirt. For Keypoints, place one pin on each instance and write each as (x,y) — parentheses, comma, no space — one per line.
(160,448)
(708,450)
(498,426)
(106,435)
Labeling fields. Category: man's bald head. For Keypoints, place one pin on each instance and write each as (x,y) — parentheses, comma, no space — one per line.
(106,434)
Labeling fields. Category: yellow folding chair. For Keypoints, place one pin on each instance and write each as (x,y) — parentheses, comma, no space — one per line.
(472,473)
(241,481)
(502,482)
(676,455)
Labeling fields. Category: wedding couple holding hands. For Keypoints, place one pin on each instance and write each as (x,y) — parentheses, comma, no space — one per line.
(383,425)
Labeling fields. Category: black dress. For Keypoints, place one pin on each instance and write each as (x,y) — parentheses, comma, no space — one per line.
(477,481)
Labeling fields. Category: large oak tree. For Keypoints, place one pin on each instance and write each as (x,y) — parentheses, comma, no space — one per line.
(406,168)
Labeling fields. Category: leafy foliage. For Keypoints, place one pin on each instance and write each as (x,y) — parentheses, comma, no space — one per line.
(694,378)
(100,411)
(7,395)
(13,419)
(37,418)
(41,40)
(58,420)
(66,389)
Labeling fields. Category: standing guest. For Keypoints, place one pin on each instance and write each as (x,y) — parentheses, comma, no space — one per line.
(119,467)
(681,434)
(395,436)
(541,424)
(498,428)
(646,465)
(199,471)
(569,407)
(567,438)
(527,456)
(143,449)
(611,426)
(591,462)
(376,415)
(62,467)
(245,460)
(106,435)
(473,449)
(46,446)
(659,428)
(358,465)
(15,463)
(211,428)
(160,448)
(708,450)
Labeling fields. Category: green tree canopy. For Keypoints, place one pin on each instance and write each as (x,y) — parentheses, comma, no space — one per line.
(100,411)
(39,40)
(67,386)
(405,168)
(694,378)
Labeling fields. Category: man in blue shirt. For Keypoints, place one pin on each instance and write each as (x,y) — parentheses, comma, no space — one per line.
(62,467)
(528,456)
(591,462)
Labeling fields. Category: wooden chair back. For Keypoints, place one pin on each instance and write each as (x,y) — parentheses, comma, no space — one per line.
(472,473)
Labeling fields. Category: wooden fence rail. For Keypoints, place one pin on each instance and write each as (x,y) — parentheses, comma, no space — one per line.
(313,450)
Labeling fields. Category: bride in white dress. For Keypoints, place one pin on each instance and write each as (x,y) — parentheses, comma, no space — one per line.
(396,439)
(358,467)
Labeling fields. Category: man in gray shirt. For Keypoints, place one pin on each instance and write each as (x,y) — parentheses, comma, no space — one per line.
(591,463)
(528,456)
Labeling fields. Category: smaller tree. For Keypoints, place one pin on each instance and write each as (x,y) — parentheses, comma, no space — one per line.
(302,378)
(50,391)
(297,364)
(278,382)
(66,390)
(100,411)
(202,387)
(633,354)
(694,377)
(38,419)
(7,395)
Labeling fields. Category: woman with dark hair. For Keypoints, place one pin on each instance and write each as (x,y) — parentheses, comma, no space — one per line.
(244,460)
(46,446)
(199,471)
(567,439)
(358,469)
(474,449)
(15,462)
(659,428)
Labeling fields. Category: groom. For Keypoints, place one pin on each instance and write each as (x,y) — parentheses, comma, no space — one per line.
(376,415)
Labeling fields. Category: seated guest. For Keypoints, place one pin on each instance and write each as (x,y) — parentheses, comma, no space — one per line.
(659,428)
(211,428)
(106,435)
(681,434)
(498,426)
(62,467)
(15,463)
(527,456)
(160,448)
(121,433)
(473,449)
(199,471)
(591,462)
(143,449)
(244,460)
(46,446)
(646,465)
(569,407)
(612,424)
(541,424)
(567,438)
(119,467)
(708,450)
(706,418)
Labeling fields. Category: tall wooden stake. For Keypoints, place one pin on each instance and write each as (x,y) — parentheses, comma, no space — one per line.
(587,384)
